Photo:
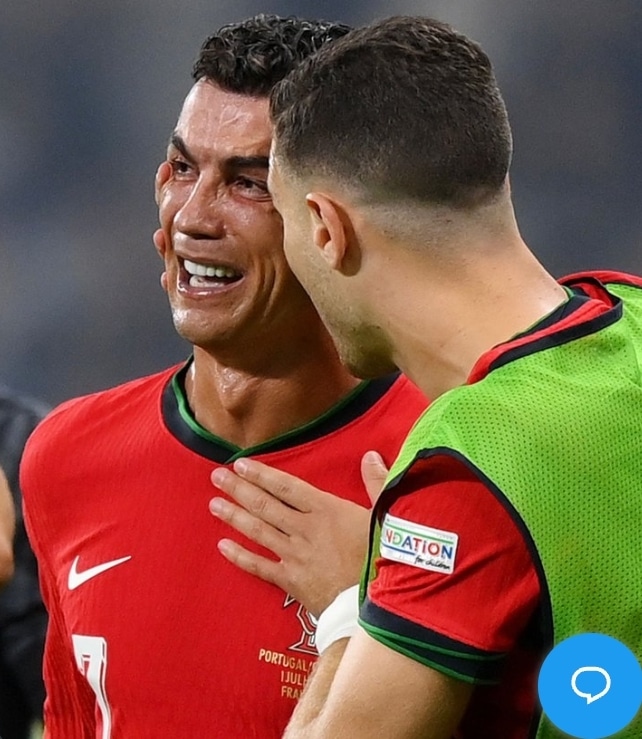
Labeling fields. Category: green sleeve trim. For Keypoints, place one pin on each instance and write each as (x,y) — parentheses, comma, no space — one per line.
(389,636)
(394,645)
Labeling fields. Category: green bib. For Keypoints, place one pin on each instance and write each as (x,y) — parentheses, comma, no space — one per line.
(556,433)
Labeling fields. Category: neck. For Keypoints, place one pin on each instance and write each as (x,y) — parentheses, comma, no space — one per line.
(447,321)
(249,401)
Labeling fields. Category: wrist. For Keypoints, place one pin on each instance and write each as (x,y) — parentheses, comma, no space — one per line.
(339,619)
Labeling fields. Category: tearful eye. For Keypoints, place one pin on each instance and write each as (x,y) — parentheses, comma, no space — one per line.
(180,166)
(257,189)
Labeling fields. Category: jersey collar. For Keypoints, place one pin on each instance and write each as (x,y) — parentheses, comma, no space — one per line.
(181,423)
(590,308)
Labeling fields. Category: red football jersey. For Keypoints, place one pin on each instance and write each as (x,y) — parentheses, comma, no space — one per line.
(152,632)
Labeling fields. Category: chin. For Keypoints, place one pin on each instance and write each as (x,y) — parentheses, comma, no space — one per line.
(197,332)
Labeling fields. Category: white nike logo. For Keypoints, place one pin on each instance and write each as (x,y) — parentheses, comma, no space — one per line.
(78,578)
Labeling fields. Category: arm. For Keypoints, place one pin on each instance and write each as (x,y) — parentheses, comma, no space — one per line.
(441,623)
(401,698)
(23,619)
(7,528)
(396,698)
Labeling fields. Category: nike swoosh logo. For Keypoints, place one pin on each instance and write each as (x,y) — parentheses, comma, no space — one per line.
(76,579)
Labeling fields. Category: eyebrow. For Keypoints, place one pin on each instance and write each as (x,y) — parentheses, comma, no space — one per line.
(178,143)
(233,163)
(252,162)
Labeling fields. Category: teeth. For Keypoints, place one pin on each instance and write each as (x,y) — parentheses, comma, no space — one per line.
(197,281)
(202,270)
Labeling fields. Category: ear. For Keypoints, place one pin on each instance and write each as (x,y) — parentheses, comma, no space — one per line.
(163,173)
(159,242)
(330,228)
(161,247)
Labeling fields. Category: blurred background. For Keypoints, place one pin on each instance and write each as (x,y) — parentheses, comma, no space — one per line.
(89,93)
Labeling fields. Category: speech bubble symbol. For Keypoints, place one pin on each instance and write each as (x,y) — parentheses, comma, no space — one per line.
(589,697)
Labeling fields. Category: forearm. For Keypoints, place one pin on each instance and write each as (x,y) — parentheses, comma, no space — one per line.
(362,689)
(306,721)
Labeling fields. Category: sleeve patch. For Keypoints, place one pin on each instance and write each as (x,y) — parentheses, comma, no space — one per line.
(418,546)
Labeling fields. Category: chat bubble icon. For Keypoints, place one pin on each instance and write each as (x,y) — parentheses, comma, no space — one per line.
(590,697)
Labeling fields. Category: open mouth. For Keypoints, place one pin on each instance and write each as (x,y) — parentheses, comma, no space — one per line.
(200,275)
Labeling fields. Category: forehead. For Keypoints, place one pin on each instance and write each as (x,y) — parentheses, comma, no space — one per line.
(225,123)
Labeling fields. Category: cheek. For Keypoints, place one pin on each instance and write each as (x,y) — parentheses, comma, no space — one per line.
(171,199)
(291,252)
(260,228)
(255,217)
(302,256)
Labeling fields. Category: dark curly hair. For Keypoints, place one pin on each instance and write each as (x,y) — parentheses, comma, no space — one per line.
(251,56)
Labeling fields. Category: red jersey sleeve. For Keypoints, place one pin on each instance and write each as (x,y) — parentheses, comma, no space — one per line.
(455,583)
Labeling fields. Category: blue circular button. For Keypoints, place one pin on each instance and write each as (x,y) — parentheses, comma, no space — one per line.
(590,686)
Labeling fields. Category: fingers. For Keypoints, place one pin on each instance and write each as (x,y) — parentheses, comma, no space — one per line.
(262,567)
(319,538)
(258,503)
(250,525)
(287,488)
(373,473)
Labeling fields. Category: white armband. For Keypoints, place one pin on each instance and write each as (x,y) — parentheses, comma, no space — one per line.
(339,620)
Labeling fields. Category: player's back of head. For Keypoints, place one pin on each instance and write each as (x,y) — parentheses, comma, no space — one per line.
(405,109)
(251,56)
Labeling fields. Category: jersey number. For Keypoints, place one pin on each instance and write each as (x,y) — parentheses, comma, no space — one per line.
(91,657)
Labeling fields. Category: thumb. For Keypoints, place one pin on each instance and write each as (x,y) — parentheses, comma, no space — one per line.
(373,474)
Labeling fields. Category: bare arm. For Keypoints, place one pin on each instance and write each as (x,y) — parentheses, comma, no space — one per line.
(374,692)
(7,528)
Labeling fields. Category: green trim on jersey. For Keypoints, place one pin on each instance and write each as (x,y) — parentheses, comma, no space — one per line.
(396,643)
(474,665)
(236,451)
(425,645)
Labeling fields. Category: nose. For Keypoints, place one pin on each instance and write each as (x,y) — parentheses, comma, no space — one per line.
(201,215)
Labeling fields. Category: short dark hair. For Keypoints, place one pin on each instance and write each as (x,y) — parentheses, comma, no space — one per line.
(251,56)
(406,108)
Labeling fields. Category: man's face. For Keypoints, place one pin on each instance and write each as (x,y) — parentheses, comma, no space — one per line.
(337,296)
(225,271)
